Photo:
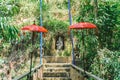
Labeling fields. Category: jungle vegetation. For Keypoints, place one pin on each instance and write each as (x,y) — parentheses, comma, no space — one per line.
(102,45)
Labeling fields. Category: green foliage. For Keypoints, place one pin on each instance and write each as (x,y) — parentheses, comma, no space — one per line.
(55,25)
(89,49)
(107,22)
(106,64)
(86,12)
(9,8)
(7,31)
(116,38)
(66,53)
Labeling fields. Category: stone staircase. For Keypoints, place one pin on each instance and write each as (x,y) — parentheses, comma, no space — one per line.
(56,71)
(57,68)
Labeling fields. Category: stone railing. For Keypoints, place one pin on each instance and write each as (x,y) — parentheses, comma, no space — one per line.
(77,73)
(36,74)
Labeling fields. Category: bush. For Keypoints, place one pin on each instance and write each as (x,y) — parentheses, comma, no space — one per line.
(106,65)
(55,25)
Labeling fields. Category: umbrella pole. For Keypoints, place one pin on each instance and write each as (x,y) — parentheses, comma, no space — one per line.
(30,77)
(31,65)
(83,52)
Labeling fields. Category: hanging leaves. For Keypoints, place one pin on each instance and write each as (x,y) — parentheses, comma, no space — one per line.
(7,31)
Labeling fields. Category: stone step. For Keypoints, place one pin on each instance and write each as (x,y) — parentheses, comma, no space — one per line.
(56,69)
(56,65)
(56,74)
(56,78)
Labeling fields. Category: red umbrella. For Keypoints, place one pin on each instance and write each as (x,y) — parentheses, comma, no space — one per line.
(83,25)
(34,28)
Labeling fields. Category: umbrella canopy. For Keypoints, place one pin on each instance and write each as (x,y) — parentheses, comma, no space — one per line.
(83,25)
(34,28)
